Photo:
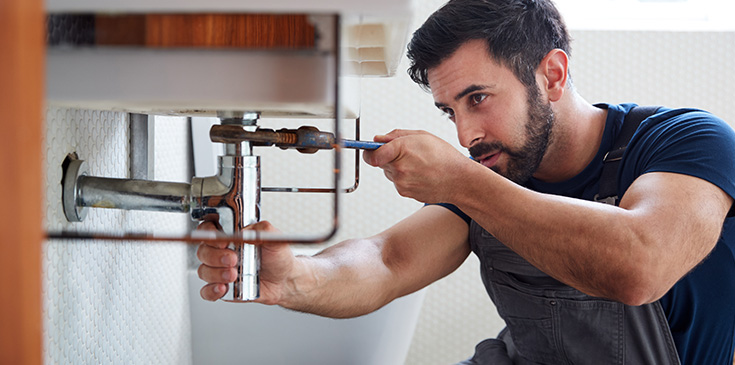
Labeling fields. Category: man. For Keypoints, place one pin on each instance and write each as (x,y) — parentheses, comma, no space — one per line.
(651,280)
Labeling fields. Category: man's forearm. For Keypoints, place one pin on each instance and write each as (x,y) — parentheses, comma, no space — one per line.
(343,281)
(356,277)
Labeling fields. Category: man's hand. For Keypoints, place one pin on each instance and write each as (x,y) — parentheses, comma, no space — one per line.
(420,165)
(218,266)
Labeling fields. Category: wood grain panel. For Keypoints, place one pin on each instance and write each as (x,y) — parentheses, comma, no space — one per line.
(259,31)
(225,30)
(122,30)
(21,95)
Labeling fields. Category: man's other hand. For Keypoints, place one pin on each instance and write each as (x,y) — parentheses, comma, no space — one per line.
(218,266)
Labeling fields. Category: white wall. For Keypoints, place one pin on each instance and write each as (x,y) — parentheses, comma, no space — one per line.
(113,302)
(676,69)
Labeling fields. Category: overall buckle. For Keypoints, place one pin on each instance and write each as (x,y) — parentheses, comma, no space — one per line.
(609,200)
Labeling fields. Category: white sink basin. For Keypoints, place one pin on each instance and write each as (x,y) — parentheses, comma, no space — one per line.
(233,333)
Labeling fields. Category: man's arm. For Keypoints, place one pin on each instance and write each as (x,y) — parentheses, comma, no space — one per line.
(356,276)
(666,224)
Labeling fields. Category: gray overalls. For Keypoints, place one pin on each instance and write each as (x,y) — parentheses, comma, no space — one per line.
(551,323)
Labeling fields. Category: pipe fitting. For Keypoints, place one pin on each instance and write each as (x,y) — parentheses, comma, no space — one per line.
(74,168)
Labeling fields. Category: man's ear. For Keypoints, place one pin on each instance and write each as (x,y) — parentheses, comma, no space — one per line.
(553,71)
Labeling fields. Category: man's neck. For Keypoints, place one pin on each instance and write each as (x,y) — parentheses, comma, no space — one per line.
(576,139)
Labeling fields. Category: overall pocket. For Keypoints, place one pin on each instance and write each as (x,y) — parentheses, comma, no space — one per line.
(530,321)
(591,330)
(556,328)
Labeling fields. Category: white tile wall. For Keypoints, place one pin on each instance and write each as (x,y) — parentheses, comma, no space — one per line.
(104,302)
(676,69)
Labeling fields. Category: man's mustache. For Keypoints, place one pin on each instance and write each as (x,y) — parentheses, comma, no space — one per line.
(484,148)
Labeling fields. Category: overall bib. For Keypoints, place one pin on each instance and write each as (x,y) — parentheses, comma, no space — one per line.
(551,323)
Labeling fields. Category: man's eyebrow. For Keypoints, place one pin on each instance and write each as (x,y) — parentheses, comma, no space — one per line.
(470,89)
(440,105)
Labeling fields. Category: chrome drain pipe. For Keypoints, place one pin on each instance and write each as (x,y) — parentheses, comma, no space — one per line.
(231,198)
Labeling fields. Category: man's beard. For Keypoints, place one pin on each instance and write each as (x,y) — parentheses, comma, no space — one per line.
(523,162)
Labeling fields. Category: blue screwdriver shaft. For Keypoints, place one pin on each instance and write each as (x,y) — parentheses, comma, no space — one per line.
(362,145)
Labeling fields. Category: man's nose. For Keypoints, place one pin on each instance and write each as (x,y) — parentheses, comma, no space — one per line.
(468,132)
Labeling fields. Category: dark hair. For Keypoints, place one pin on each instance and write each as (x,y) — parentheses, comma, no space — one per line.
(518,33)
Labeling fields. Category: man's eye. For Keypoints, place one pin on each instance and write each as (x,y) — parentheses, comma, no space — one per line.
(449,112)
(477,99)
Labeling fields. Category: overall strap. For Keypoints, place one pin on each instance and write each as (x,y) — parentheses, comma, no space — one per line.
(608,192)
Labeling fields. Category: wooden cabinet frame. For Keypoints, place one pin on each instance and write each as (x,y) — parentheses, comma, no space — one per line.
(21,180)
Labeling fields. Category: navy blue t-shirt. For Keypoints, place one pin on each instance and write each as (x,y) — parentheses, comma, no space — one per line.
(700,308)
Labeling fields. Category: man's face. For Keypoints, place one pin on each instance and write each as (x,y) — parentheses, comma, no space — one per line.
(505,126)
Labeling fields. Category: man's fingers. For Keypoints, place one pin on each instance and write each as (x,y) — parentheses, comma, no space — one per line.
(383,155)
(213,292)
(391,150)
(214,275)
(216,257)
(209,226)
(218,262)
(396,133)
(264,226)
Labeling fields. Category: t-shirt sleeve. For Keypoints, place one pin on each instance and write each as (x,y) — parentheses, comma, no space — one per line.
(455,210)
(690,142)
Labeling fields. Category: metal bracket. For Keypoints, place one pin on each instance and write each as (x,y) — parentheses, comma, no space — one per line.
(142,147)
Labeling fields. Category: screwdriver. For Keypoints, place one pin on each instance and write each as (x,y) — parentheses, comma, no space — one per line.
(305,139)
(361,145)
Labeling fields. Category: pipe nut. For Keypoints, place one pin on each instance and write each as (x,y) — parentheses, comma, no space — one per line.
(69,192)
